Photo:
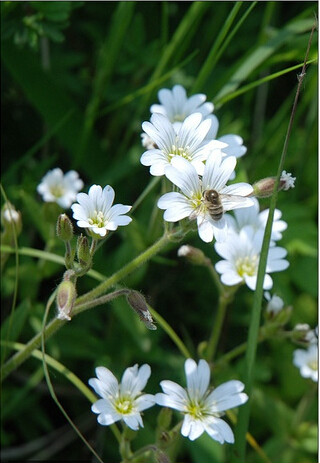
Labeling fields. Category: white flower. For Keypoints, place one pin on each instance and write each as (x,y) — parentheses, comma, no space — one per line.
(241,252)
(59,188)
(275,303)
(201,406)
(307,361)
(258,220)
(96,213)
(176,106)
(190,202)
(188,143)
(122,401)
(287,181)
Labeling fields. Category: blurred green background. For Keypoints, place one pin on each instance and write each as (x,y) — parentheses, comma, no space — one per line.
(78,79)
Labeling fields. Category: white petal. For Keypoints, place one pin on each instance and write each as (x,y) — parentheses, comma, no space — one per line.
(106,385)
(177,212)
(133,421)
(152,156)
(183,174)
(169,199)
(108,198)
(134,380)
(191,428)
(103,406)
(106,420)
(145,401)
(205,229)
(219,430)
(198,378)
(231,278)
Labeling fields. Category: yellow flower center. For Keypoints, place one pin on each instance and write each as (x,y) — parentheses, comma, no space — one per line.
(124,406)
(57,191)
(247,265)
(196,410)
(313,364)
(178,118)
(98,219)
(179,151)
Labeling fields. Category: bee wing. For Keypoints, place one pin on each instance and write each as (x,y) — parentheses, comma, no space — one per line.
(235,201)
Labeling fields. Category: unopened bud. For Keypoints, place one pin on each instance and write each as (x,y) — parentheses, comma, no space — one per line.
(264,188)
(66,296)
(139,305)
(83,251)
(194,255)
(302,334)
(164,418)
(64,228)
(11,218)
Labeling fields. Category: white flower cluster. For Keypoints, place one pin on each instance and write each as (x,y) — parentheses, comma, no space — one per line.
(182,145)
(200,406)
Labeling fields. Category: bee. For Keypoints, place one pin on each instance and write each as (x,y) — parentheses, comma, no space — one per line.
(211,199)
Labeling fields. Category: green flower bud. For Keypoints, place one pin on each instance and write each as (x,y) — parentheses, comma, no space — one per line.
(64,228)
(66,296)
(164,418)
(83,251)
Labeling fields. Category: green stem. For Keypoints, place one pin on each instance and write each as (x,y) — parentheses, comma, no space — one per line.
(215,276)
(224,299)
(239,350)
(244,412)
(124,271)
(56,324)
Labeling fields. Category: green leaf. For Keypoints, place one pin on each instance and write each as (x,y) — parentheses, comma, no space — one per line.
(17,321)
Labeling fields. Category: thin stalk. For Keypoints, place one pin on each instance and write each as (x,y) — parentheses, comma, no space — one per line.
(50,386)
(244,412)
(56,324)
(224,300)
(214,276)
(16,279)
(236,352)
(170,332)
(133,265)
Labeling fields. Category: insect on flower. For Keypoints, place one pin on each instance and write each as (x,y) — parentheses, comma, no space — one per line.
(212,201)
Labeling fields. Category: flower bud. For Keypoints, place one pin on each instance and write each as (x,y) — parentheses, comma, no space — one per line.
(276,311)
(66,296)
(164,418)
(264,188)
(83,251)
(64,228)
(139,305)
(194,255)
(302,334)
(11,218)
